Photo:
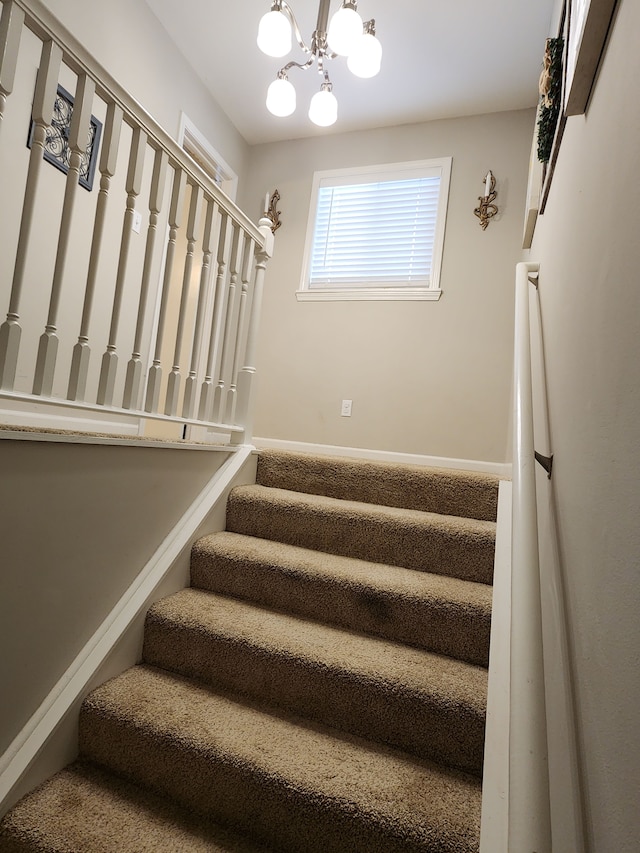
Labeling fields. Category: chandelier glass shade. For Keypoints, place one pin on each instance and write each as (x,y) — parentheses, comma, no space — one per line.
(345,35)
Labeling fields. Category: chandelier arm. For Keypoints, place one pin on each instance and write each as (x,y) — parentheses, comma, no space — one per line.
(288,11)
(301,65)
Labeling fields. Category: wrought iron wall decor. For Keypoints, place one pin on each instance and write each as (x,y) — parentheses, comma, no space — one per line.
(56,146)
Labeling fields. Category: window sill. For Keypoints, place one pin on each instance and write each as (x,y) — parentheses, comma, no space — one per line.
(371,294)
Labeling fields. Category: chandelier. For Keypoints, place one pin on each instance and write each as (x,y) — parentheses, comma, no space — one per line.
(346,35)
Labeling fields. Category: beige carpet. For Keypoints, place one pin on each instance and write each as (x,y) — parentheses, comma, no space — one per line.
(320,687)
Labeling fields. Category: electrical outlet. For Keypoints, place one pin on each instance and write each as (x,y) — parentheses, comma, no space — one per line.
(345,411)
(137,221)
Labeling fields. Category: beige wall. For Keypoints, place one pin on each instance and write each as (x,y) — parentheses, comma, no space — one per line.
(425,377)
(588,248)
(77,524)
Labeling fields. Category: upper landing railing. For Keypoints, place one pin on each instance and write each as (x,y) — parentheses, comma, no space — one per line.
(139,295)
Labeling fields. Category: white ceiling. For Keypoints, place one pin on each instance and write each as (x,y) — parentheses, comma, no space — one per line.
(441,58)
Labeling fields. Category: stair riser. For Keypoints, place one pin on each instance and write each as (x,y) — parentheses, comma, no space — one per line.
(428,490)
(390,713)
(237,795)
(420,544)
(458,632)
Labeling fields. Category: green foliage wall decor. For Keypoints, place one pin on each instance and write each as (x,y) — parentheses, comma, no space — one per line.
(550,96)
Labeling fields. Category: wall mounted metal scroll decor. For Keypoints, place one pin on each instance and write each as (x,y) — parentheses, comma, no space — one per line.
(56,147)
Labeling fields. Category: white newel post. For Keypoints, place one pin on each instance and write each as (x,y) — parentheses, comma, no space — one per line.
(41,113)
(108,158)
(11,22)
(193,232)
(133,185)
(244,408)
(205,409)
(191,385)
(228,341)
(135,373)
(154,379)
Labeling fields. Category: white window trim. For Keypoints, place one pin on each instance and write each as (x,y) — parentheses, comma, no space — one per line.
(396,293)
(197,146)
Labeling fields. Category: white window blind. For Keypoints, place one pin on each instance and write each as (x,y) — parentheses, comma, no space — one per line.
(375,232)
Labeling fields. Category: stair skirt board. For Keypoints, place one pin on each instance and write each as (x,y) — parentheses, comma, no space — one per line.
(321,686)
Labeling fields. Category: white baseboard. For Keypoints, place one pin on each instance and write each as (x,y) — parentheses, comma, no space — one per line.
(27,745)
(501,469)
(494,829)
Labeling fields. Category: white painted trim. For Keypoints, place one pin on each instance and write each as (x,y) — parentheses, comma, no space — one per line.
(494,830)
(369,294)
(198,147)
(27,417)
(112,440)
(70,688)
(95,407)
(501,469)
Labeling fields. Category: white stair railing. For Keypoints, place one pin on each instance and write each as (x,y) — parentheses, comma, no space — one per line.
(529,806)
(185,366)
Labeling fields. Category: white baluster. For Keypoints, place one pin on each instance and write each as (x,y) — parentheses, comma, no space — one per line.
(11,22)
(244,408)
(109,365)
(205,408)
(193,232)
(228,344)
(247,263)
(108,158)
(78,134)
(191,385)
(42,111)
(154,379)
(134,378)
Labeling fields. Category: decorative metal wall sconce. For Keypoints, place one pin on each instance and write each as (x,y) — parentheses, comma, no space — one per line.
(487,209)
(270,211)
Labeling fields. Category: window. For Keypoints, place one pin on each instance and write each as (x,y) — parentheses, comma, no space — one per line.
(377,232)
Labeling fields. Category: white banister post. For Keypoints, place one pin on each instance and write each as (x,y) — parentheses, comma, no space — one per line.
(41,114)
(133,185)
(193,232)
(154,378)
(191,385)
(245,277)
(78,133)
(244,408)
(134,377)
(205,408)
(108,159)
(228,341)
(11,22)
(529,806)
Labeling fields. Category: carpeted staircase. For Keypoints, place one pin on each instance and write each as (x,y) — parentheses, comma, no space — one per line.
(320,687)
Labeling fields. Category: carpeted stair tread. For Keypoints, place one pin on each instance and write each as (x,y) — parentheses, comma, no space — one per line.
(440,544)
(293,785)
(439,490)
(429,705)
(436,612)
(85,810)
